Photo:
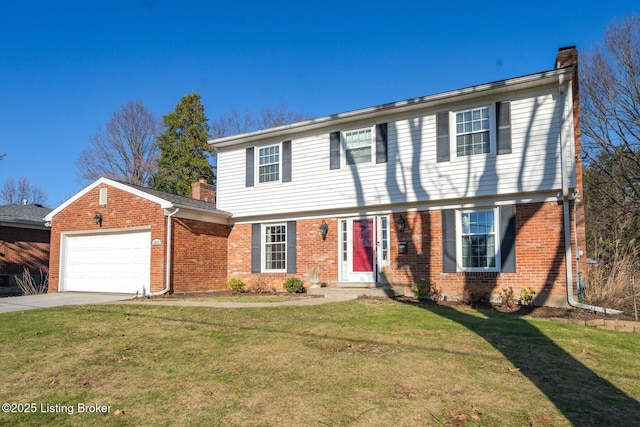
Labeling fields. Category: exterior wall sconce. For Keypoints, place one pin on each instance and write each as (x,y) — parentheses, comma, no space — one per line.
(324,229)
(400,224)
(98,218)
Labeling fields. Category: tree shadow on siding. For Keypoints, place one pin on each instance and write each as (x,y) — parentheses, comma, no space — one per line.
(580,394)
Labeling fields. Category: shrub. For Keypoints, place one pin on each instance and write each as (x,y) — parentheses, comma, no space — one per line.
(294,285)
(260,286)
(615,282)
(507,297)
(527,295)
(28,284)
(426,289)
(236,285)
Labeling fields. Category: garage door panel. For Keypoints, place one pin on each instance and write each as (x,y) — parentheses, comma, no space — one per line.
(108,262)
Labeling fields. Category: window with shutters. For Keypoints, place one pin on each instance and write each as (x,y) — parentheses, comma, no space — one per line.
(275,247)
(472,132)
(477,240)
(357,145)
(269,164)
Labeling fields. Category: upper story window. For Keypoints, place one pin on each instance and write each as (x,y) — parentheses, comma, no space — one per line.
(358,146)
(269,164)
(472,132)
(366,145)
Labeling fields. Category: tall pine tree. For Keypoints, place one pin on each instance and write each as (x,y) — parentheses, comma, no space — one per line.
(183,148)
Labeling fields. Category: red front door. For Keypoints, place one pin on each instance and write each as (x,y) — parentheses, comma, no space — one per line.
(363,244)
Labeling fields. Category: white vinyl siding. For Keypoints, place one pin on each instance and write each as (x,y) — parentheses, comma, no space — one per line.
(412,173)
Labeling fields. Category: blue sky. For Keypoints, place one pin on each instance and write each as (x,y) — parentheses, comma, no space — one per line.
(65,66)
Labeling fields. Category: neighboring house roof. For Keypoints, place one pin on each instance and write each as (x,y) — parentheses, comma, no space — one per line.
(28,216)
(400,107)
(165,200)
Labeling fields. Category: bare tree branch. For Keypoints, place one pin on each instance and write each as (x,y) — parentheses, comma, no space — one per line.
(125,150)
(22,192)
(234,122)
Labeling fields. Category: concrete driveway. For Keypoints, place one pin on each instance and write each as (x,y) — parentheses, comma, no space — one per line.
(56,299)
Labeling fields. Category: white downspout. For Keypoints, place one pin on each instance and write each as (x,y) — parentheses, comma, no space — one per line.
(567,217)
(168,272)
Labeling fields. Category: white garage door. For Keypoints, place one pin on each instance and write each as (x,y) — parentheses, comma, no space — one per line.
(107,262)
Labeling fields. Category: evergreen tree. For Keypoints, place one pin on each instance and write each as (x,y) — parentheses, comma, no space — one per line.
(183,148)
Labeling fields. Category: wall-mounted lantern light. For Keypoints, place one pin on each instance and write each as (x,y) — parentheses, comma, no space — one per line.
(324,229)
(400,224)
(98,218)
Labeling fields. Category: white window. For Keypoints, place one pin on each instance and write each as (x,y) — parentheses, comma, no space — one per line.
(358,146)
(275,247)
(478,238)
(472,132)
(269,164)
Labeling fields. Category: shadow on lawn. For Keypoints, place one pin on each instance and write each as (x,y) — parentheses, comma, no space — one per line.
(582,396)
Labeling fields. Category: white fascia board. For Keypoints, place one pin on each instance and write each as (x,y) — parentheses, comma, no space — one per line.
(430,101)
(124,187)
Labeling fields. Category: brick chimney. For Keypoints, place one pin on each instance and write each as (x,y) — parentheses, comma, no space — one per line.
(204,191)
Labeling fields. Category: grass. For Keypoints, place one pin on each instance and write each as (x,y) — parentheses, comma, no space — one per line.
(357,363)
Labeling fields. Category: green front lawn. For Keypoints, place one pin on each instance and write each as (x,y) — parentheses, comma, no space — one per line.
(357,363)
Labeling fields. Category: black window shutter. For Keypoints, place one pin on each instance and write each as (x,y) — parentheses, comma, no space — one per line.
(256,244)
(291,247)
(503,125)
(250,161)
(449,241)
(442,137)
(286,161)
(334,150)
(508,238)
(381,143)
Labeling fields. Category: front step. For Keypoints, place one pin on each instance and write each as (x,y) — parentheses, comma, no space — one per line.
(359,290)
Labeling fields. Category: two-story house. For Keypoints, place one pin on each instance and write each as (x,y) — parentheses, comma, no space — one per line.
(476,190)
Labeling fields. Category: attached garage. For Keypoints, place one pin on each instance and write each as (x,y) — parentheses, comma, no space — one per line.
(123,238)
(117,262)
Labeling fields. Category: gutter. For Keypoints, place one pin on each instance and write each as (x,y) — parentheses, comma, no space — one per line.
(567,216)
(168,271)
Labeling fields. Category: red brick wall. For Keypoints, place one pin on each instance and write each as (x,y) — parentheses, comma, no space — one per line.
(199,256)
(122,210)
(311,252)
(539,255)
(540,262)
(23,247)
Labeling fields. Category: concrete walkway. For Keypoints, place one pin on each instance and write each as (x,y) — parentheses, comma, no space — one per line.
(229,304)
(58,299)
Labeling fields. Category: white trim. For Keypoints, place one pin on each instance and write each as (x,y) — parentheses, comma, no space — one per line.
(453,140)
(342,120)
(458,203)
(256,177)
(263,247)
(106,181)
(65,236)
(343,146)
(497,237)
